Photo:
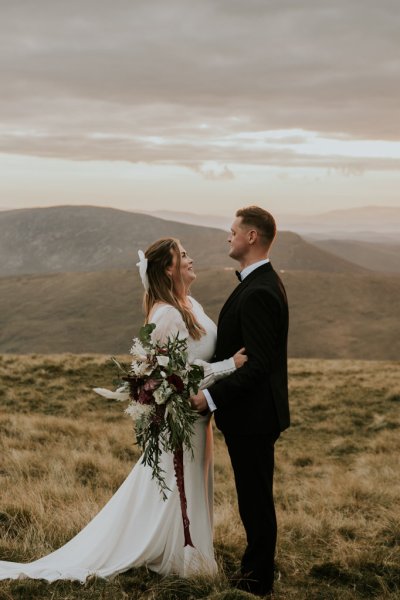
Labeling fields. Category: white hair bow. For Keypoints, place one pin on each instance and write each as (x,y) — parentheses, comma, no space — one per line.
(142,264)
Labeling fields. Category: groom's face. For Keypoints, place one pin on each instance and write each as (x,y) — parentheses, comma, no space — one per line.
(238,240)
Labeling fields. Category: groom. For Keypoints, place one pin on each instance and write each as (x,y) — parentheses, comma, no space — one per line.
(251,405)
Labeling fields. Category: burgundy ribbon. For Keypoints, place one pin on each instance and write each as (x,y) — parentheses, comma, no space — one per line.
(178,465)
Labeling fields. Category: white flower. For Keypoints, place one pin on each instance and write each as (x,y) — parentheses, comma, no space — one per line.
(138,352)
(136,410)
(140,369)
(162,393)
(163,361)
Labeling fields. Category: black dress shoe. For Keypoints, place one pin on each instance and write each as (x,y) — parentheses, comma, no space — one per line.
(248,584)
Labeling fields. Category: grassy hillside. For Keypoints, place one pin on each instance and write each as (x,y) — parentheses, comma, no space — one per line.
(64,451)
(88,238)
(344,316)
(332,314)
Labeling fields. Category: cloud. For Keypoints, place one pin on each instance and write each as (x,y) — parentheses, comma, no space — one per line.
(195,74)
(214,174)
(190,154)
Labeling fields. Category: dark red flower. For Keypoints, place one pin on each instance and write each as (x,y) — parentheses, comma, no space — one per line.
(177,382)
(145,397)
(135,385)
(161,350)
(151,384)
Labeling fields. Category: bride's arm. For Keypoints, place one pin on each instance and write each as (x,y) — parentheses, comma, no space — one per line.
(218,370)
(215,371)
(168,322)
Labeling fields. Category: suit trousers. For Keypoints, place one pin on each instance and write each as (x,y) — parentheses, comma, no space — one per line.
(252,458)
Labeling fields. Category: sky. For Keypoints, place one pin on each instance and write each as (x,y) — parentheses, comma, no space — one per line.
(200,105)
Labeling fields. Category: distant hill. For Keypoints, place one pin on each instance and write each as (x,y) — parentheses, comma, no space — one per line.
(374,218)
(87,238)
(218,221)
(366,223)
(375,256)
(333,315)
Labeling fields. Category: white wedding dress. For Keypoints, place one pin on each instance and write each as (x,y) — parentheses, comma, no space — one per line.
(136,527)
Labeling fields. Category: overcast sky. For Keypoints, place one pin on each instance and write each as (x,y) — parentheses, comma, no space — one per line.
(200,105)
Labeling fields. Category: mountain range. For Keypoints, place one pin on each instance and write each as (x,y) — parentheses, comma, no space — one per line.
(87,238)
(368,223)
(368,236)
(68,284)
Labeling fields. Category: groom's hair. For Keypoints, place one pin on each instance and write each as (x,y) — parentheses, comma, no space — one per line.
(261,220)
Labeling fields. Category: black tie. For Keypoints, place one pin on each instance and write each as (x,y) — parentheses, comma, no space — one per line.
(238,275)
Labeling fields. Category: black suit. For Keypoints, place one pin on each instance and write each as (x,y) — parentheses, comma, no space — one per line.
(252,407)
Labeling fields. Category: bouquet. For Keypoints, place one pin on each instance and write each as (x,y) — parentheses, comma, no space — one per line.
(158,385)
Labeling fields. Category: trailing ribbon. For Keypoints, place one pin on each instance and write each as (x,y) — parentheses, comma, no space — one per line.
(178,466)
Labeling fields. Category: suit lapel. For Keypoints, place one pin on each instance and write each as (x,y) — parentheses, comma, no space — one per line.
(238,289)
(242,286)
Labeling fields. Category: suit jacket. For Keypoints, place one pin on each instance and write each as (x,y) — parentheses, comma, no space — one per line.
(254,399)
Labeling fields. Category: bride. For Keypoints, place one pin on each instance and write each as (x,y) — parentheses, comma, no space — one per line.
(136,527)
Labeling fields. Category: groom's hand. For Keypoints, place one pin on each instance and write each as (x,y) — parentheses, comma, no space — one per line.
(199,402)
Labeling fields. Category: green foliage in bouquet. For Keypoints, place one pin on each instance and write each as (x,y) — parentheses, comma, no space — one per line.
(158,384)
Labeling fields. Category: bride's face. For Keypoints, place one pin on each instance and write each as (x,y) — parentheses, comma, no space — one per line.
(185,272)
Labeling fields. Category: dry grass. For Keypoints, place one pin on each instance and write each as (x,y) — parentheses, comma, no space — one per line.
(65,450)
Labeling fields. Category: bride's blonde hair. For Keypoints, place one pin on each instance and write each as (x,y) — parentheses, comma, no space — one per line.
(161,286)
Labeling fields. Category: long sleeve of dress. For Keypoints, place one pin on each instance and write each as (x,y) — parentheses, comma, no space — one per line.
(169,322)
(215,371)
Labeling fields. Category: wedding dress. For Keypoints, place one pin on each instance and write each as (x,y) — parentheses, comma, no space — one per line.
(136,527)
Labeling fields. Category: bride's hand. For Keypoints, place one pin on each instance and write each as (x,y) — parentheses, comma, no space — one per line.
(240,358)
